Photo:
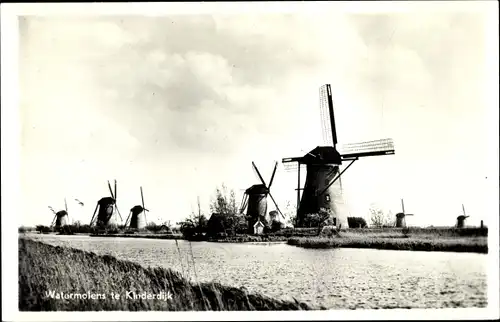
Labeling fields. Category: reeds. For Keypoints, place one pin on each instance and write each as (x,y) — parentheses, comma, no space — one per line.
(44,268)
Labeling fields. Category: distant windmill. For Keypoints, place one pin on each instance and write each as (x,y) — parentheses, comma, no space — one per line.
(136,220)
(61,218)
(401,217)
(461,218)
(106,207)
(255,199)
(323,164)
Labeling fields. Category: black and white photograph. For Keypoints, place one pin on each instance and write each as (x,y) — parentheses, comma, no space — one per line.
(314,160)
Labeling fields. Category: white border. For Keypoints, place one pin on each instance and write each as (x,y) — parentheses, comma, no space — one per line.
(10,152)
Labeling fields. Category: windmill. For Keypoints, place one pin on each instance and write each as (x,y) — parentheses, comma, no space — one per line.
(255,199)
(136,220)
(61,218)
(401,216)
(323,164)
(106,207)
(461,218)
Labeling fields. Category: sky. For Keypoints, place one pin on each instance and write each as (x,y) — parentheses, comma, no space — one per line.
(180,104)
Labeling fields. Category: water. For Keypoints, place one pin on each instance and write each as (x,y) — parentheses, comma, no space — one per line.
(335,278)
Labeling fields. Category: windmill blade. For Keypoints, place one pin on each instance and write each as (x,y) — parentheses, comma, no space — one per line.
(128,217)
(327,117)
(142,198)
(258,173)
(95,211)
(402,205)
(111,191)
(118,211)
(116,196)
(53,220)
(272,176)
(463,209)
(144,208)
(52,209)
(65,205)
(340,182)
(291,166)
(277,208)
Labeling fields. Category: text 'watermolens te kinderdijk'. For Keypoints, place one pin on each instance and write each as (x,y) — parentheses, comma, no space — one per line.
(131,295)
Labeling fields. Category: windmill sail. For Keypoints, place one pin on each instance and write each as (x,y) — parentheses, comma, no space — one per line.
(327,117)
(368,148)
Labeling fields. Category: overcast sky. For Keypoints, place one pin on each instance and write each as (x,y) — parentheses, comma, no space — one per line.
(180,104)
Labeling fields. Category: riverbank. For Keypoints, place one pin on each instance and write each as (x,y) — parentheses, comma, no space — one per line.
(396,242)
(94,281)
(149,236)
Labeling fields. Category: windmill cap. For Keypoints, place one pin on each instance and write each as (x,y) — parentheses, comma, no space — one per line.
(257,189)
(106,201)
(322,154)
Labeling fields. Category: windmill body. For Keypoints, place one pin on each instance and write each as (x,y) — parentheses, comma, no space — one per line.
(62,218)
(401,216)
(105,209)
(400,220)
(255,200)
(323,166)
(257,204)
(461,219)
(136,220)
(137,215)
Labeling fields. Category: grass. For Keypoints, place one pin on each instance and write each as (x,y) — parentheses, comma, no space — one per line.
(417,239)
(44,268)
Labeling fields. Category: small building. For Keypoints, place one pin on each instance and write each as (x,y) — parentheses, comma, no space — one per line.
(258,228)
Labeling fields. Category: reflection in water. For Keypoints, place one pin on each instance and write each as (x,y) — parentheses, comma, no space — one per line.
(336,278)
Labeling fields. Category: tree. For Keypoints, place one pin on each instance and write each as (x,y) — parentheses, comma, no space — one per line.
(356,222)
(276,226)
(224,205)
(378,218)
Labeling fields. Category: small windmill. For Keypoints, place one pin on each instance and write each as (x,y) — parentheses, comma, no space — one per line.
(61,218)
(106,207)
(135,217)
(461,218)
(323,164)
(255,199)
(401,216)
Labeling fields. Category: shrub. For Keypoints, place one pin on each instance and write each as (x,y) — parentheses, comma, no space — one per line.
(356,222)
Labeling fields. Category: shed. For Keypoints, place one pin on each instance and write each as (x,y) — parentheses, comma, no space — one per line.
(258,228)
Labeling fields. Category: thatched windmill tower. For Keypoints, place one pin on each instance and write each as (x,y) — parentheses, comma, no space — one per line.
(106,207)
(255,199)
(461,218)
(323,165)
(401,216)
(61,218)
(136,220)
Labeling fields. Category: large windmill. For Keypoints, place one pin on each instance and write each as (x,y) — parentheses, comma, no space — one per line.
(136,220)
(255,199)
(61,218)
(106,207)
(461,218)
(401,216)
(323,165)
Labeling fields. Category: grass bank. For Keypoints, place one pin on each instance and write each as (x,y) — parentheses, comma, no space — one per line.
(396,242)
(44,269)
